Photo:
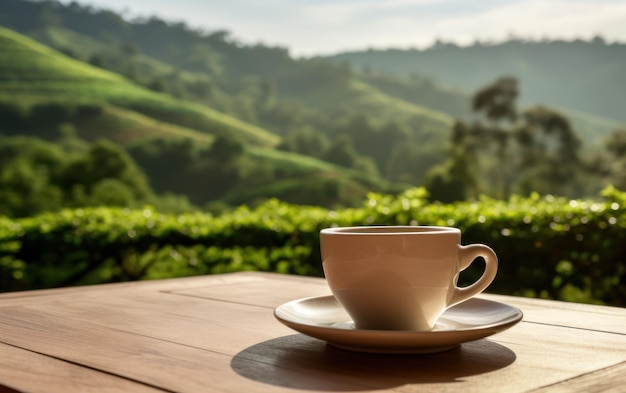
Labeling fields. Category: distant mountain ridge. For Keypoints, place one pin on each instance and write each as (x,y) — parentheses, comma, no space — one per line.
(554,73)
(348,122)
(586,76)
(257,84)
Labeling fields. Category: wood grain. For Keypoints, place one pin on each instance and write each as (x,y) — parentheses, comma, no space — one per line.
(583,316)
(28,371)
(608,380)
(155,362)
(218,334)
(274,291)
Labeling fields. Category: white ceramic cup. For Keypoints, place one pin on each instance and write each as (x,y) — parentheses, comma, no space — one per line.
(400,277)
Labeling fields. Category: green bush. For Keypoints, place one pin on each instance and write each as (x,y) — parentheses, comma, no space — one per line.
(550,247)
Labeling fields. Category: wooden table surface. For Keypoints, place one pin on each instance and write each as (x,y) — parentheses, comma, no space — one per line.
(218,334)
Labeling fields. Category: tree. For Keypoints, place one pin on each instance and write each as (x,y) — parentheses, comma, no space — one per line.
(29,171)
(157,84)
(226,148)
(498,100)
(48,17)
(129,49)
(342,152)
(409,163)
(448,182)
(614,166)
(97,61)
(165,161)
(307,141)
(509,151)
(26,190)
(549,146)
(104,160)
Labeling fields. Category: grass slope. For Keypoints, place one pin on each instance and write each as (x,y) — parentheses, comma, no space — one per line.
(84,48)
(357,95)
(591,85)
(32,73)
(125,126)
(305,180)
(29,69)
(375,101)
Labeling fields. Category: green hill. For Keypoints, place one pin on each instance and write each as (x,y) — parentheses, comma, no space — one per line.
(592,129)
(46,89)
(36,73)
(583,78)
(364,120)
(402,137)
(307,180)
(260,84)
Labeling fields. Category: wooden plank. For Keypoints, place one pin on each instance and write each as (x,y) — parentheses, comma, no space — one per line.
(274,291)
(217,333)
(171,366)
(28,371)
(608,380)
(255,341)
(511,362)
(292,362)
(46,295)
(277,289)
(218,326)
(321,367)
(582,316)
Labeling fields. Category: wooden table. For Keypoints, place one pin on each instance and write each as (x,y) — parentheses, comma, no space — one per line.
(218,334)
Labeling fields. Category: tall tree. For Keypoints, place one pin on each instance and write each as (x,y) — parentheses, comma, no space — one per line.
(549,148)
(506,151)
(614,165)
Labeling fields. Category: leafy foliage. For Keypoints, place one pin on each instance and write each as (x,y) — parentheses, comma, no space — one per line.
(549,247)
(257,84)
(99,104)
(535,150)
(166,80)
(201,114)
(37,176)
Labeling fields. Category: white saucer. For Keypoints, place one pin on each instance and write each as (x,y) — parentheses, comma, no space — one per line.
(323,318)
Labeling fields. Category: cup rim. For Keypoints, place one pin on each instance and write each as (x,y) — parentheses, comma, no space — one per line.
(387,230)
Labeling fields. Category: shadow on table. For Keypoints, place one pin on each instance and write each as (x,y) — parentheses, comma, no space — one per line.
(300,362)
(6,389)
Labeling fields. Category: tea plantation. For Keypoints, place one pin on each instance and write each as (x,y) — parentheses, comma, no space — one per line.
(549,247)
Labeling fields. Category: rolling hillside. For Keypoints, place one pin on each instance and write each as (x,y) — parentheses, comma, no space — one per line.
(33,73)
(257,84)
(160,49)
(582,79)
(33,76)
(364,120)
(585,80)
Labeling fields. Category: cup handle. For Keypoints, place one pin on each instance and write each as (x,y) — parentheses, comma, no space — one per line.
(467,255)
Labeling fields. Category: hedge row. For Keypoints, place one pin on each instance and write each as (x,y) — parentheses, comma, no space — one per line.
(550,247)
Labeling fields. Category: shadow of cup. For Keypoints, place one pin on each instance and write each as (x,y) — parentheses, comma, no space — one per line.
(6,389)
(300,362)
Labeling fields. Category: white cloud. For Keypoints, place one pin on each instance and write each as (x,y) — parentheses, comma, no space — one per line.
(539,19)
(342,12)
(325,26)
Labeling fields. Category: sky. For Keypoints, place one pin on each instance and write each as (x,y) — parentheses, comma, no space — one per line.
(322,27)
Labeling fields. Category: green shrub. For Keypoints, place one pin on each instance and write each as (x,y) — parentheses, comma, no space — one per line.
(548,247)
